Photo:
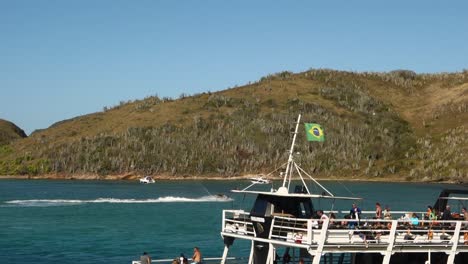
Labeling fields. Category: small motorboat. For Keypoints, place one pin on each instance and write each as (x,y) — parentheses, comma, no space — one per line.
(259,180)
(147,179)
(221,196)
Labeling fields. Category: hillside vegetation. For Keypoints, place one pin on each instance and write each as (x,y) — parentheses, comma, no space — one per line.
(9,132)
(398,125)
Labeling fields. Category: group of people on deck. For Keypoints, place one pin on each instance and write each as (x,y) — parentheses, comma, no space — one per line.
(432,214)
(355,212)
(353,220)
(196,258)
(374,230)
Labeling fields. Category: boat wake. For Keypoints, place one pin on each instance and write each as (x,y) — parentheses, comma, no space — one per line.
(166,199)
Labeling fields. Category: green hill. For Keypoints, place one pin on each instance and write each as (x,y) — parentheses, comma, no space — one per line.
(9,132)
(398,125)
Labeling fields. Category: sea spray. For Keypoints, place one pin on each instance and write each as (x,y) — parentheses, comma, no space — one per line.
(166,199)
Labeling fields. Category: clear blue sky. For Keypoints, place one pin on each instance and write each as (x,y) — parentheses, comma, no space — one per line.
(60,59)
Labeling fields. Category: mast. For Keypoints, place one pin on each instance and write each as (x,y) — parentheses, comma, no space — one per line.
(290,159)
(292,165)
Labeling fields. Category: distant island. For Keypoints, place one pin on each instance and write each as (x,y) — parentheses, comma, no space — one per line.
(397,125)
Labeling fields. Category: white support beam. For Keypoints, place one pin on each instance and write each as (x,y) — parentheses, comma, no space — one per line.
(454,241)
(310,233)
(225,253)
(251,253)
(271,254)
(391,242)
(321,243)
(302,178)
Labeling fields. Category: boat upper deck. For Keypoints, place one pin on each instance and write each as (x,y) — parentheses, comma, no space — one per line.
(351,236)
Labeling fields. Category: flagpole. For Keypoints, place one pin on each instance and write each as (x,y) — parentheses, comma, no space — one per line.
(290,159)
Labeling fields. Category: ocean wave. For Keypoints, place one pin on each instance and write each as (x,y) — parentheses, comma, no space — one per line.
(166,199)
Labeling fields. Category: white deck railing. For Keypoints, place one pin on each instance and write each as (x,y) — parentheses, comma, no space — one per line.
(237,221)
(205,260)
(348,235)
(340,236)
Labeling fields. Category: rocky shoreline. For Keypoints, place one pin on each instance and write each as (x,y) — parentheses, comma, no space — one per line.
(134,177)
(129,177)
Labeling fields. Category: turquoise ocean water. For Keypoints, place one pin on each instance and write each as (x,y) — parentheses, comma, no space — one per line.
(44,221)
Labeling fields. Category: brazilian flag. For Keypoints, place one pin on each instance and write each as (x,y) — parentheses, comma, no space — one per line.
(314,132)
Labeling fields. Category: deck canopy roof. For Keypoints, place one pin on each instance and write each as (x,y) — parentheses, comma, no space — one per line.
(306,195)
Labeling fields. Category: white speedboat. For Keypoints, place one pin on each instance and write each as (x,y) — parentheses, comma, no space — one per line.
(147,179)
(259,180)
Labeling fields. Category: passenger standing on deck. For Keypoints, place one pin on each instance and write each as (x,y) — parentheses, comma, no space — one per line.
(322,216)
(378,211)
(447,214)
(465,216)
(145,258)
(332,218)
(196,256)
(354,213)
(387,215)
(431,213)
(182,259)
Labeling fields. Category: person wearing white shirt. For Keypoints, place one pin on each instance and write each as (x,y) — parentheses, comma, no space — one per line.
(322,216)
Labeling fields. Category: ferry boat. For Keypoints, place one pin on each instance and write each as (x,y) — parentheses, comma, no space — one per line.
(283,227)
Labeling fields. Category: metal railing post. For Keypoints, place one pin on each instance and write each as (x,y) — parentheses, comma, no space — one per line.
(321,241)
(391,242)
(454,241)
